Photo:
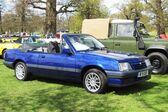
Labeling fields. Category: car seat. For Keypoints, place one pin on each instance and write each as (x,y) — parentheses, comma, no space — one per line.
(53,47)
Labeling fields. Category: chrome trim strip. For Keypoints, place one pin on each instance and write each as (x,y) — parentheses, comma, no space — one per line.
(54,68)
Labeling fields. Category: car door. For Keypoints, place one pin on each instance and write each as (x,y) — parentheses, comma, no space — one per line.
(123,38)
(58,65)
(32,58)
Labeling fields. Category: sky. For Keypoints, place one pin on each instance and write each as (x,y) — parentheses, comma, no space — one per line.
(111,4)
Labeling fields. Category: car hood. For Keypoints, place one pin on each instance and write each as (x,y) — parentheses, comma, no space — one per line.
(120,56)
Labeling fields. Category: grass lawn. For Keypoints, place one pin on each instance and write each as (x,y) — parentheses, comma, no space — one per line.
(45,95)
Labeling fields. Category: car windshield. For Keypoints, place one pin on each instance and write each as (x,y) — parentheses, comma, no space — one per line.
(85,42)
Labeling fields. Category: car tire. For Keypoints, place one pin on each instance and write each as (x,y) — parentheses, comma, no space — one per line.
(21,71)
(159,61)
(95,81)
(3,54)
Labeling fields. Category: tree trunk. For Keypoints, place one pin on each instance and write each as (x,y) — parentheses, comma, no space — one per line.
(1,30)
(22,16)
(23,22)
(160,22)
(51,16)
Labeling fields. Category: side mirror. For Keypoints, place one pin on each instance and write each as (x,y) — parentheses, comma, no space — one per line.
(66,51)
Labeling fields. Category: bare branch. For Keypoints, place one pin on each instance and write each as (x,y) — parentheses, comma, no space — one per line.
(34,2)
(64,8)
(37,7)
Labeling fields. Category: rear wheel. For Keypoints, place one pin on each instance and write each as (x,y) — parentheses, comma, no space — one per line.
(94,81)
(21,72)
(160,62)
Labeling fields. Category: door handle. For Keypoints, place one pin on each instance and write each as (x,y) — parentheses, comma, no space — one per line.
(42,56)
(117,44)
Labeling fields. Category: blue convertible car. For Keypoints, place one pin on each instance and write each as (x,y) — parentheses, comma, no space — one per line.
(79,57)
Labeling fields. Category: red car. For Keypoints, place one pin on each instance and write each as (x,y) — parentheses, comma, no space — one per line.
(164,36)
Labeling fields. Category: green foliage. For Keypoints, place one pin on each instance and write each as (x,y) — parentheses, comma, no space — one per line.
(35,23)
(158,10)
(91,9)
(75,23)
(131,9)
(46,95)
(152,13)
(10,22)
(87,9)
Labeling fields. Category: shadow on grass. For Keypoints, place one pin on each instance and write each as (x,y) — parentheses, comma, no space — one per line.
(69,97)
(58,81)
(133,89)
(117,90)
(62,99)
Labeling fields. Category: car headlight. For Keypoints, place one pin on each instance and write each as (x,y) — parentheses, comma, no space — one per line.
(147,62)
(125,67)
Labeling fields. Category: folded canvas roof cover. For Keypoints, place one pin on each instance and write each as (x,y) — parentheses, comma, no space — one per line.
(99,28)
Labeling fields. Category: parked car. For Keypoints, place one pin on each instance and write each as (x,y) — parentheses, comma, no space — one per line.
(118,36)
(13,44)
(49,38)
(82,58)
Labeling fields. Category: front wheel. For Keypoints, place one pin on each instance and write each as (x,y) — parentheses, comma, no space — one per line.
(94,81)
(21,72)
(159,61)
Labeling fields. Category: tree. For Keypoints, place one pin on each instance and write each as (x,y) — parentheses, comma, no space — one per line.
(75,23)
(51,12)
(35,23)
(158,9)
(10,22)
(130,10)
(21,11)
(87,9)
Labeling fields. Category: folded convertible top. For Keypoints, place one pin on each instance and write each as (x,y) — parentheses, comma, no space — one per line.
(30,46)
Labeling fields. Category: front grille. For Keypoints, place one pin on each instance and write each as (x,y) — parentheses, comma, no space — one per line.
(138,66)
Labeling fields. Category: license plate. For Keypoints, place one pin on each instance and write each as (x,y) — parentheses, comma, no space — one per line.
(143,73)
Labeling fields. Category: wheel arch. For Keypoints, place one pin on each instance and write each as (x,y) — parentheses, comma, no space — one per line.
(86,68)
(16,61)
(4,49)
(2,52)
(154,50)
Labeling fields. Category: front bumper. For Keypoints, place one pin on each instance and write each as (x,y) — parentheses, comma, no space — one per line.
(120,79)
